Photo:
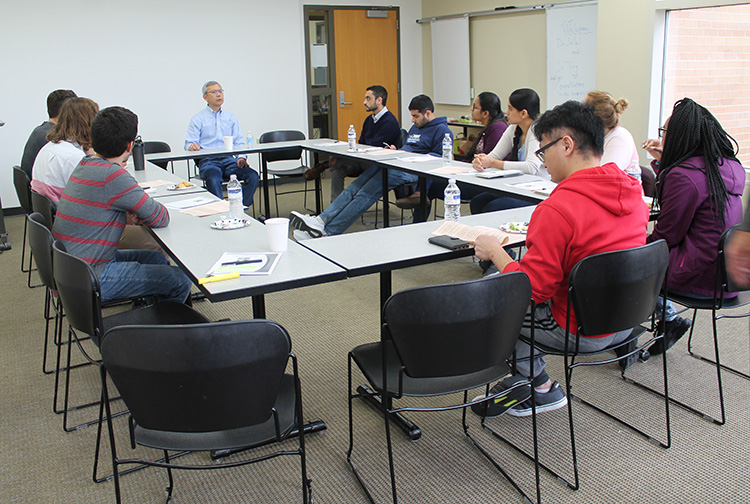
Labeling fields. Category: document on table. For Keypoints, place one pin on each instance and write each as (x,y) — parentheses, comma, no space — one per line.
(191,202)
(452,170)
(538,186)
(418,159)
(381,151)
(213,208)
(245,263)
(155,183)
(470,233)
(328,144)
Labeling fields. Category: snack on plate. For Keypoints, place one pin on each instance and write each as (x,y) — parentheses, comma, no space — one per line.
(184,185)
(515,227)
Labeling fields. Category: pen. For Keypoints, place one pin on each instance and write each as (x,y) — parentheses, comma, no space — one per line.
(387,146)
(242,261)
(218,278)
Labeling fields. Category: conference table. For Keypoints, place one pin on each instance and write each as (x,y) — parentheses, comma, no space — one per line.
(422,165)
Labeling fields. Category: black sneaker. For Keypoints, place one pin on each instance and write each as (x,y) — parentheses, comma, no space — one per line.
(675,330)
(545,401)
(502,403)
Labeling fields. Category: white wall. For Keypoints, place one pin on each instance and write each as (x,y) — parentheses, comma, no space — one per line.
(153,56)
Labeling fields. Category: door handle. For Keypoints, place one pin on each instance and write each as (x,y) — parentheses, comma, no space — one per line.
(341,100)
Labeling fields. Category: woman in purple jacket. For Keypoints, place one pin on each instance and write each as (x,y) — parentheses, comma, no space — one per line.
(699,191)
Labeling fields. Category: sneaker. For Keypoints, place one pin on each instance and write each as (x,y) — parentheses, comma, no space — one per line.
(545,401)
(676,329)
(312,224)
(490,271)
(300,235)
(502,403)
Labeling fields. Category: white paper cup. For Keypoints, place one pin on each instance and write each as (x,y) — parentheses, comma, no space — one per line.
(228,142)
(278,233)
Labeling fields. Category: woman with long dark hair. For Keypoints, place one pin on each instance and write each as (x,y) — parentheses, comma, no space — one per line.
(519,143)
(699,191)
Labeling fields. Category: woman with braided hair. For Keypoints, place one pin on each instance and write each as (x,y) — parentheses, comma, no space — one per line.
(519,142)
(699,191)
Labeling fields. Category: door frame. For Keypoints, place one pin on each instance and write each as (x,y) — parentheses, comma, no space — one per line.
(331,88)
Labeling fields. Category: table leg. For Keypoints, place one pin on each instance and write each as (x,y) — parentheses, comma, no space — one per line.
(259,306)
(386,210)
(266,195)
(423,198)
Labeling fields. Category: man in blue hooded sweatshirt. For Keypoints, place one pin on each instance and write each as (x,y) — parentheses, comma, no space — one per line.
(425,137)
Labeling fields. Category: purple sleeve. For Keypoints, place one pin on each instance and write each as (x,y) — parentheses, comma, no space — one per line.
(679,201)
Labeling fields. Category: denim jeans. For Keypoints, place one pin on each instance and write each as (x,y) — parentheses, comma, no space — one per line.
(214,170)
(489,202)
(359,196)
(135,273)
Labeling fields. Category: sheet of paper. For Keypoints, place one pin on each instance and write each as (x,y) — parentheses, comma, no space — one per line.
(470,233)
(378,151)
(155,183)
(245,263)
(418,159)
(191,202)
(538,186)
(328,144)
(452,170)
(216,207)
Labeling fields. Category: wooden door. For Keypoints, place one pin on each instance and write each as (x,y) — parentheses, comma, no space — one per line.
(366,53)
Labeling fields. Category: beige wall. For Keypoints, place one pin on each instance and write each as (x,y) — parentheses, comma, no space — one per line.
(509,51)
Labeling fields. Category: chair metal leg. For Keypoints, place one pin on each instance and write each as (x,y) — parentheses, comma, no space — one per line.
(170,486)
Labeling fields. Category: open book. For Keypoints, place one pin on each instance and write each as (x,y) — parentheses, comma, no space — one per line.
(470,233)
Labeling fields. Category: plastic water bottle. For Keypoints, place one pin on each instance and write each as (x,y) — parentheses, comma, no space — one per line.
(352,137)
(234,190)
(447,149)
(452,201)
(250,140)
(635,172)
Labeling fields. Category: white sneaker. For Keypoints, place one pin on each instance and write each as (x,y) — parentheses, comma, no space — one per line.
(312,224)
(300,235)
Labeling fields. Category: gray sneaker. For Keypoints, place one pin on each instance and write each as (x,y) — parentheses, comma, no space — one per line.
(514,395)
(545,401)
(311,224)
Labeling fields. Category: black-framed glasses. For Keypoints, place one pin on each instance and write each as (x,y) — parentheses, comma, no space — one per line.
(540,152)
(662,132)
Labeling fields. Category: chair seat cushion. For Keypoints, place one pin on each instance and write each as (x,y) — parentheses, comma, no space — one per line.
(741,299)
(243,437)
(369,359)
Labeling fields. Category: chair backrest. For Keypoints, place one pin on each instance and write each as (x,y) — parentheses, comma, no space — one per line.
(155,146)
(725,282)
(282,136)
(198,377)
(401,140)
(43,205)
(648,179)
(457,328)
(22,183)
(79,292)
(615,291)
(40,241)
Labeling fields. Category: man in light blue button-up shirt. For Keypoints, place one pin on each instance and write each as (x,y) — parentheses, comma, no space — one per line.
(207,130)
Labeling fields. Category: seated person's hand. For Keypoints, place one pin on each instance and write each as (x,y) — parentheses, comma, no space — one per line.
(738,258)
(194,147)
(241,162)
(654,147)
(491,248)
(133,220)
(479,162)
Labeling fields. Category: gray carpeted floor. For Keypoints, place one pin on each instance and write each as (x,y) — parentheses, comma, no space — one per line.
(707,462)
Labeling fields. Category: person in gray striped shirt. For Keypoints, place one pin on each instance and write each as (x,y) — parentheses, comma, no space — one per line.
(100,198)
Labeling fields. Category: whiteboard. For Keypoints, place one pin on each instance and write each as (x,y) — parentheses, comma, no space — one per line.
(571,53)
(451,68)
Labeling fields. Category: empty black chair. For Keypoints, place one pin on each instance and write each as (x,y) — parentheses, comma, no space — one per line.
(219,386)
(440,340)
(22,184)
(155,146)
(292,154)
(80,294)
(648,179)
(612,292)
(724,285)
(42,204)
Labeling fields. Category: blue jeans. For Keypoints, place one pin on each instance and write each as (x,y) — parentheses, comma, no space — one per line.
(489,202)
(214,170)
(358,197)
(135,273)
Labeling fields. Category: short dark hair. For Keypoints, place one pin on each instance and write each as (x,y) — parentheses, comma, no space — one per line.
(577,120)
(379,92)
(421,103)
(112,130)
(55,99)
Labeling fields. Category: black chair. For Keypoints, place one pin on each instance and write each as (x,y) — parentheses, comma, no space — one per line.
(22,184)
(648,179)
(440,340)
(612,292)
(80,294)
(155,146)
(724,285)
(219,386)
(293,154)
(42,204)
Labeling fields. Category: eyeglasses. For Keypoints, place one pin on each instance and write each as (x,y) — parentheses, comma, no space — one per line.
(540,152)
(216,91)
(474,107)
(662,132)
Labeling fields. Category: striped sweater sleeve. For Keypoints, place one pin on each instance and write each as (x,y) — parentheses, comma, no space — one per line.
(124,193)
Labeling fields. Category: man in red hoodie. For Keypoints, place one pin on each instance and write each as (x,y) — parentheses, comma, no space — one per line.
(593,209)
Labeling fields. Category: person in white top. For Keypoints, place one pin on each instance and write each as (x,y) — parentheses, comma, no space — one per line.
(619,146)
(69,142)
(514,151)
